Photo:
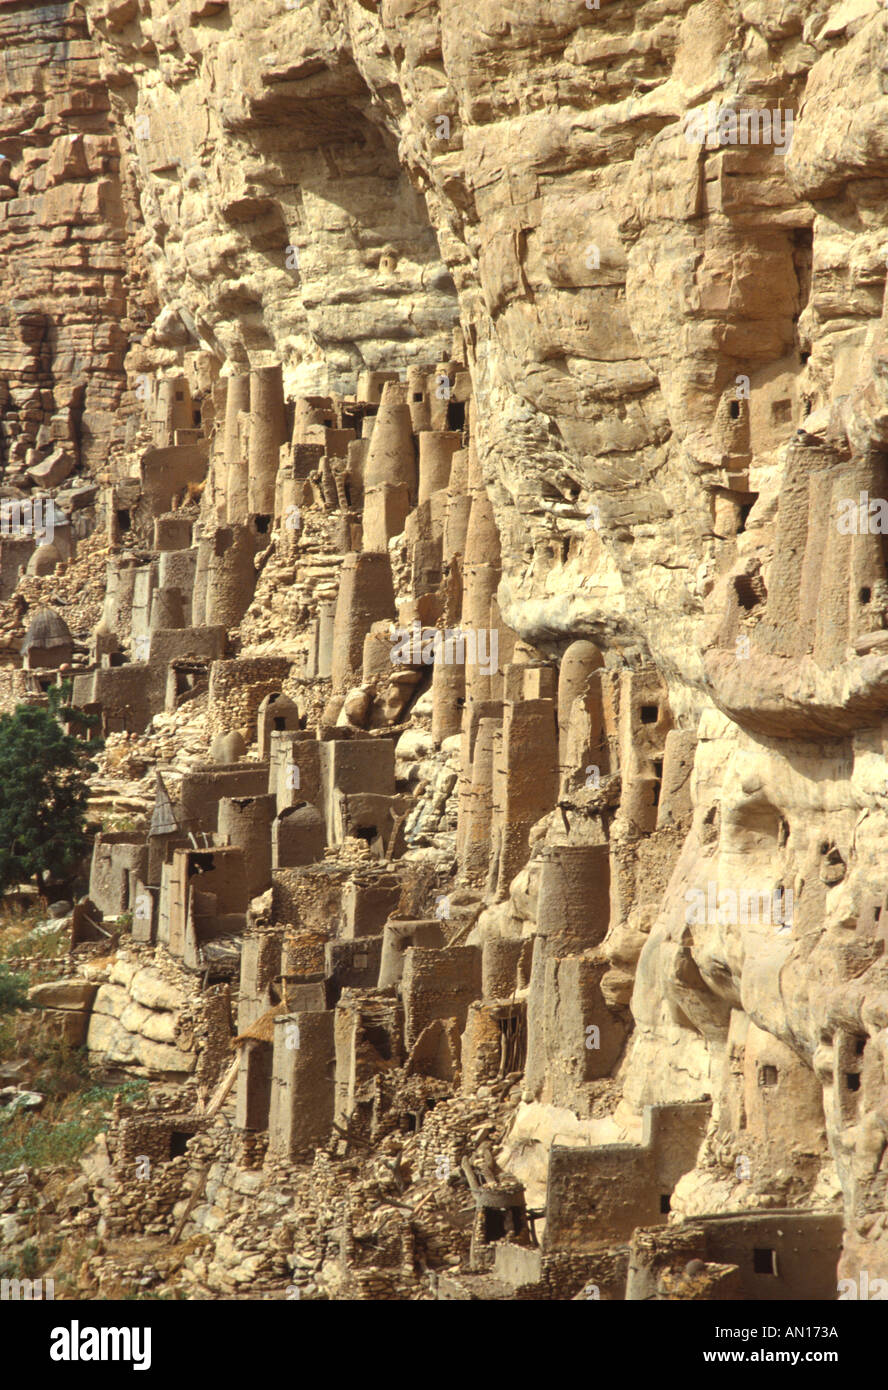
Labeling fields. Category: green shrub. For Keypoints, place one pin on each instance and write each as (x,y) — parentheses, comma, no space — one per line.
(44,791)
(32,1260)
(63,1130)
(13,992)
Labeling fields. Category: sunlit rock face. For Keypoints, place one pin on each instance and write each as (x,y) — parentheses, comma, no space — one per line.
(279,221)
(62,244)
(662,230)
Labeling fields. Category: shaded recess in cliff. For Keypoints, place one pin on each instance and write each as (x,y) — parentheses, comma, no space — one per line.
(279,221)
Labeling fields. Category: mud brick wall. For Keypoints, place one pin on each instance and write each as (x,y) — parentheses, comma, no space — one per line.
(308,897)
(237,689)
(13,688)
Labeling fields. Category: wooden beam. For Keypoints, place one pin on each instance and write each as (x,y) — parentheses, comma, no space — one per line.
(222,1090)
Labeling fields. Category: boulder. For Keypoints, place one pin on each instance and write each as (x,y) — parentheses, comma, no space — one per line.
(152,989)
(64,994)
(12,1099)
(53,470)
(108,1037)
(110,1000)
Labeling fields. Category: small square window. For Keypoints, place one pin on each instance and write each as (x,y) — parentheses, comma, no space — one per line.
(852,1080)
(764,1261)
(768,1076)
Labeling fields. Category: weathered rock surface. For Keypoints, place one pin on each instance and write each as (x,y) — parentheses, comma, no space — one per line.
(678,365)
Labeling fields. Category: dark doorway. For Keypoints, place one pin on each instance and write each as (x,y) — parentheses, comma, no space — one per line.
(494,1223)
(456,415)
(178,1143)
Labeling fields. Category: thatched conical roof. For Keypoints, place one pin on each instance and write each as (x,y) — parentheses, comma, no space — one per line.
(263,1028)
(163,817)
(47,630)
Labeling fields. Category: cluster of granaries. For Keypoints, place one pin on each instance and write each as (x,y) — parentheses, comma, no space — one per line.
(351,972)
(397,461)
(325,1006)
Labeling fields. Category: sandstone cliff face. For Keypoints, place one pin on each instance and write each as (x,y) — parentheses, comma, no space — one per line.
(62,244)
(680,374)
(278,219)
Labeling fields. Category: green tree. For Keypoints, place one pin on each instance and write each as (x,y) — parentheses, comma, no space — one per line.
(43,792)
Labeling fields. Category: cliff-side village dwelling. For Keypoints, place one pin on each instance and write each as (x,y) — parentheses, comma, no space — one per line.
(453,489)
